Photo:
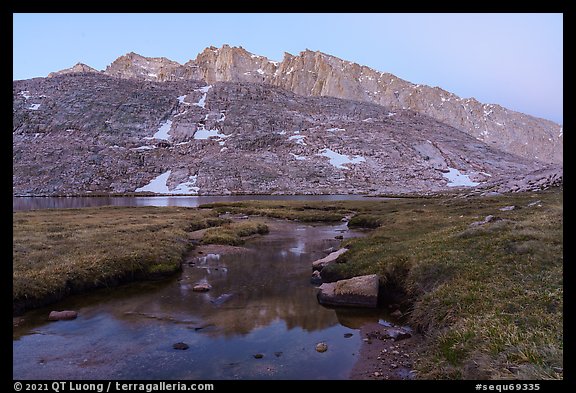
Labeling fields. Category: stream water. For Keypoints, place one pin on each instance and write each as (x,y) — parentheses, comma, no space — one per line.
(261,303)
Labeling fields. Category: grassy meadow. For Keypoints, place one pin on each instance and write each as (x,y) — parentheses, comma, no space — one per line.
(488,298)
(60,251)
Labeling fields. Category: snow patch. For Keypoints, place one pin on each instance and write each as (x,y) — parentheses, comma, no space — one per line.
(182,98)
(25,94)
(457,179)
(204,134)
(157,185)
(34,107)
(298,138)
(144,148)
(260,71)
(188,187)
(202,102)
(336,129)
(162,132)
(297,157)
(339,160)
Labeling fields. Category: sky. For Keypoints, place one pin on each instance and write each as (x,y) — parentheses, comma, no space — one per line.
(514,60)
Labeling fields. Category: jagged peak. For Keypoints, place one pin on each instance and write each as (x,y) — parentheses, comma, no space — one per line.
(225,49)
(134,55)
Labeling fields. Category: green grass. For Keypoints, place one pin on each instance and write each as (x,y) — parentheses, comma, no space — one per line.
(56,252)
(488,299)
(290,210)
(234,234)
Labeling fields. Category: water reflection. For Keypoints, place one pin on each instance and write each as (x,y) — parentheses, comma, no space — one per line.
(33,203)
(260,301)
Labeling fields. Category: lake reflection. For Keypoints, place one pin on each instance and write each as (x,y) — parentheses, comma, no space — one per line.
(33,203)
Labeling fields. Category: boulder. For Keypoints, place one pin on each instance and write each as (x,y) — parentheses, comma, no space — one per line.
(62,315)
(330,258)
(361,291)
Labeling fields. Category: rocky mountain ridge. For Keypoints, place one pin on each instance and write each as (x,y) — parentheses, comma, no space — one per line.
(313,73)
(88,132)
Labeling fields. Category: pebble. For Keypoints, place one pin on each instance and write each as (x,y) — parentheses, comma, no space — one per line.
(258,356)
(321,347)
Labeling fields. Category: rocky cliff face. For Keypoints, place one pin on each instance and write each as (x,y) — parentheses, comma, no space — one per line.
(90,132)
(318,74)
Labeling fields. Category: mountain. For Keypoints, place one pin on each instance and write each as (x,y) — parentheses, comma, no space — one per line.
(117,131)
(318,74)
(78,67)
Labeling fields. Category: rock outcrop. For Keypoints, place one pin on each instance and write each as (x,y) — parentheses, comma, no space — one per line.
(83,133)
(313,73)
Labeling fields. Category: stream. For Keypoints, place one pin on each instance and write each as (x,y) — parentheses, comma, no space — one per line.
(260,303)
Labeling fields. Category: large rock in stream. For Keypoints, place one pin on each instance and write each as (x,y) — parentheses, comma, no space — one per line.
(361,291)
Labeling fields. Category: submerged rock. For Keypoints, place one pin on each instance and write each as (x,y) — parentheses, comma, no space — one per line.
(221,299)
(316,279)
(361,291)
(62,315)
(202,287)
(181,346)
